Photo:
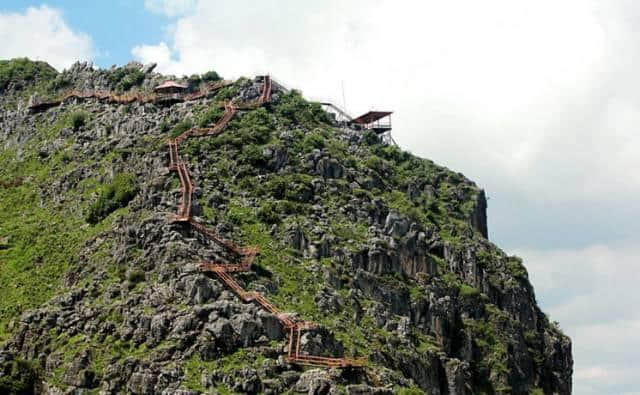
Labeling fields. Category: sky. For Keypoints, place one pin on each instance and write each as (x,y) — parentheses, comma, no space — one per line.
(537,101)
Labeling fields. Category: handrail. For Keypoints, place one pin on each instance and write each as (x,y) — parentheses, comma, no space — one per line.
(339,110)
(246,254)
(127,98)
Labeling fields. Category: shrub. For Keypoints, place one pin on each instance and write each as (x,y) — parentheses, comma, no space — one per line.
(255,127)
(117,75)
(132,78)
(21,378)
(392,153)
(253,155)
(362,193)
(193,81)
(370,138)
(239,215)
(78,119)
(57,83)
(23,70)
(180,128)
(409,391)
(112,197)
(289,207)
(227,93)
(268,213)
(313,140)
(299,189)
(398,201)
(136,276)
(294,187)
(210,76)
(375,163)
(516,268)
(210,117)
(467,290)
(275,187)
(164,126)
(293,108)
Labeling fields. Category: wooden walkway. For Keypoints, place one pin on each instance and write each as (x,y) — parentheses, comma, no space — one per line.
(37,105)
(245,255)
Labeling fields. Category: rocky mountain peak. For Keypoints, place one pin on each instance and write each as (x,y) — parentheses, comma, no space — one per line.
(386,253)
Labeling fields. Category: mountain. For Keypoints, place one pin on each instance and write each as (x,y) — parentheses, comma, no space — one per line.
(219,236)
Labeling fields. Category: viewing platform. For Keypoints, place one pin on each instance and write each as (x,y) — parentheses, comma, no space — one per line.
(376,121)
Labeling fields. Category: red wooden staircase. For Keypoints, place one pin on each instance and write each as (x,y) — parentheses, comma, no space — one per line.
(245,255)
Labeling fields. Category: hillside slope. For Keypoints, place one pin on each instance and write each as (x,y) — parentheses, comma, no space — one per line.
(386,252)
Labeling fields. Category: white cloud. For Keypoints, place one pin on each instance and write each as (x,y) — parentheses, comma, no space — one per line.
(41,33)
(160,54)
(592,293)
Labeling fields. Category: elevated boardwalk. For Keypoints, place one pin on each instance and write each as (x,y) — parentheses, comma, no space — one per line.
(245,255)
(37,104)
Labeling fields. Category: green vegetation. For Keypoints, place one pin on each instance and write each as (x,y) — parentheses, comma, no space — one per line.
(133,78)
(370,138)
(295,187)
(468,291)
(57,83)
(294,108)
(210,76)
(23,71)
(313,140)
(399,202)
(227,93)
(210,116)
(196,366)
(516,268)
(43,238)
(102,351)
(245,192)
(409,391)
(136,276)
(125,79)
(254,127)
(113,196)
(78,119)
(21,379)
(180,128)
(492,340)
(297,287)
(193,81)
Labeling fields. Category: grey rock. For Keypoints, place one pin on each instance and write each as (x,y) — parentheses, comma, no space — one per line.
(363,389)
(246,328)
(148,68)
(223,332)
(314,382)
(201,290)
(142,383)
(396,225)
(159,327)
(296,238)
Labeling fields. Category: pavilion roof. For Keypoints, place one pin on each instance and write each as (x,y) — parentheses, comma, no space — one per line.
(370,117)
(171,84)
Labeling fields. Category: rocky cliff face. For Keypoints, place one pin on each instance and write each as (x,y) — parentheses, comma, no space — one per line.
(387,252)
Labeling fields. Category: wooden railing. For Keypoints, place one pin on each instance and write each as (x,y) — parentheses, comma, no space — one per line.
(36,105)
(244,255)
